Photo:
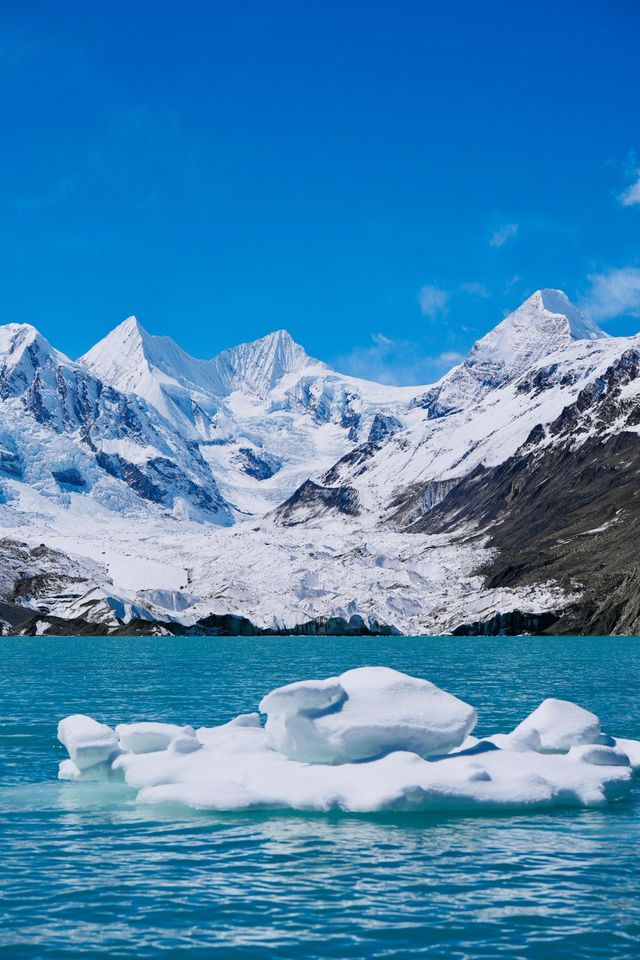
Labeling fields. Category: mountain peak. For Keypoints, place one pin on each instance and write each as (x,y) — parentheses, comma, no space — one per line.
(120,357)
(129,326)
(139,362)
(547,321)
(259,365)
(278,336)
(544,323)
(15,338)
(557,304)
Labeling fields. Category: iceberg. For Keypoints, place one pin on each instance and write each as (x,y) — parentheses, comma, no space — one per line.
(367,741)
(363,714)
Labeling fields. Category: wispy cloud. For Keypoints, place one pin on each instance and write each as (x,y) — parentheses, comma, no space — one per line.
(631,196)
(504,233)
(397,362)
(475,289)
(449,356)
(434,301)
(613,293)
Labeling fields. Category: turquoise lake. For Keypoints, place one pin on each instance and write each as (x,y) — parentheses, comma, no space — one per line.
(86,872)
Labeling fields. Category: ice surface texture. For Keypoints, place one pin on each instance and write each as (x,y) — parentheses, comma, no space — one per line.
(364,714)
(370,740)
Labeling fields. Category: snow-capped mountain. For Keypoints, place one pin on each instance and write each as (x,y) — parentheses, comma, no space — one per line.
(506,497)
(64,433)
(264,414)
(477,414)
(545,323)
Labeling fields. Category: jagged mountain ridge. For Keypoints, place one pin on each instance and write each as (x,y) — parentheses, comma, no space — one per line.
(264,414)
(444,518)
(545,323)
(65,433)
(521,374)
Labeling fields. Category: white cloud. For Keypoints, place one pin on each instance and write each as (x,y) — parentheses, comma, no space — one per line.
(500,236)
(434,301)
(631,196)
(380,340)
(613,293)
(449,356)
(475,289)
(398,362)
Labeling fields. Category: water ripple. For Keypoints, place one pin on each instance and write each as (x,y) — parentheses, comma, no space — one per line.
(85,871)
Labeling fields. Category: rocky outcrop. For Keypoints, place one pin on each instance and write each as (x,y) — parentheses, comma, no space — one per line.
(311,502)
(568,515)
(23,621)
(515,623)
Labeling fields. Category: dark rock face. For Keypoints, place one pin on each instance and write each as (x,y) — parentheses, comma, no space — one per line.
(544,379)
(350,420)
(569,515)
(416,500)
(355,462)
(29,574)
(117,467)
(235,626)
(383,425)
(69,477)
(430,403)
(166,476)
(25,621)
(311,501)
(10,464)
(259,466)
(512,624)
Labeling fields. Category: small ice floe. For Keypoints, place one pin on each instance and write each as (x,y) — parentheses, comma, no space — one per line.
(364,714)
(369,740)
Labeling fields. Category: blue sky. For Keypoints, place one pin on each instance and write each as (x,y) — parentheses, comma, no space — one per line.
(383,179)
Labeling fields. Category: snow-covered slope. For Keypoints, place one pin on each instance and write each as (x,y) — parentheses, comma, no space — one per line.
(65,434)
(522,373)
(402,498)
(265,415)
(545,323)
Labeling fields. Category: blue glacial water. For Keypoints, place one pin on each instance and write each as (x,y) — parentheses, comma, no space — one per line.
(85,872)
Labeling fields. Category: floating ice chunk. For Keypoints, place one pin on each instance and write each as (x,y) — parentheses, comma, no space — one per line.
(241,772)
(149,736)
(308,695)
(560,725)
(362,714)
(383,737)
(87,741)
(469,743)
(242,720)
(599,754)
(632,750)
